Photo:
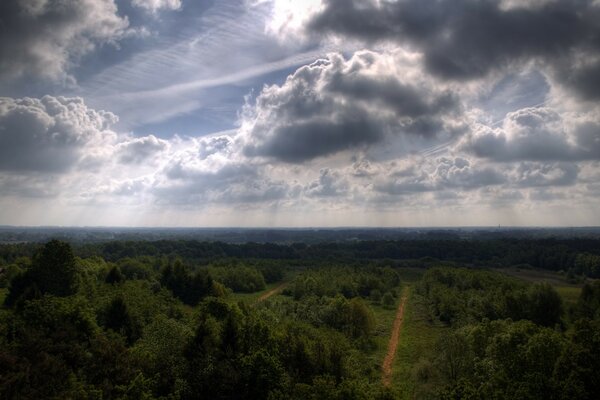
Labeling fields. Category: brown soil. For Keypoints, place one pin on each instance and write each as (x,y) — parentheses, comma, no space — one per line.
(272,292)
(388,361)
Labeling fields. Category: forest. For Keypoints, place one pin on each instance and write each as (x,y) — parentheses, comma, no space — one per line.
(184,319)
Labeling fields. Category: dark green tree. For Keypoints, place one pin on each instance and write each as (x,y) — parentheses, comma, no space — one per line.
(114,275)
(118,318)
(54,269)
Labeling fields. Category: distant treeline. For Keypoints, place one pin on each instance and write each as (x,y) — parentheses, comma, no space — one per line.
(79,235)
(580,256)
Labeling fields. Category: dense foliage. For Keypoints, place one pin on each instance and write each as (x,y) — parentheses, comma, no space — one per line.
(509,339)
(163,320)
(465,296)
(87,328)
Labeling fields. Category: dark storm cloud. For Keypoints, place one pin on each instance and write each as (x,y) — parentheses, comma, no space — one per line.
(40,38)
(48,134)
(306,140)
(404,99)
(337,104)
(465,39)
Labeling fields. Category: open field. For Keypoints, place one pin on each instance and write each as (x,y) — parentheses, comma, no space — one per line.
(417,342)
(569,294)
(252,298)
(538,275)
(569,291)
(390,355)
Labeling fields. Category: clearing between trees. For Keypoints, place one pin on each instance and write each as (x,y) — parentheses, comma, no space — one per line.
(272,292)
(388,361)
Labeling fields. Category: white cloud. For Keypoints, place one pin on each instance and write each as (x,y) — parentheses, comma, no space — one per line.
(49,134)
(339,104)
(156,5)
(537,134)
(142,149)
(45,38)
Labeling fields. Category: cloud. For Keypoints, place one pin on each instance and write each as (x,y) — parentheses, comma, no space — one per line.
(42,38)
(545,174)
(330,184)
(537,134)
(191,182)
(156,5)
(49,134)
(436,175)
(138,150)
(467,39)
(338,104)
(213,145)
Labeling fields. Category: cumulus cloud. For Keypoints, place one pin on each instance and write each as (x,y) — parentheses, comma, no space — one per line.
(439,174)
(200,184)
(43,38)
(338,104)
(49,134)
(138,150)
(467,39)
(537,134)
(545,174)
(155,5)
(330,184)
(213,145)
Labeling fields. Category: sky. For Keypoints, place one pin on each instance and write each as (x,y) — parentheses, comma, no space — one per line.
(283,113)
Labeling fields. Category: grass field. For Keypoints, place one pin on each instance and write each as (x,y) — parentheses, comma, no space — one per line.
(251,298)
(538,275)
(417,342)
(384,317)
(570,294)
(417,337)
(568,291)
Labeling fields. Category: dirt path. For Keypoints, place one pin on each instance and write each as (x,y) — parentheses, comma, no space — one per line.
(388,361)
(272,292)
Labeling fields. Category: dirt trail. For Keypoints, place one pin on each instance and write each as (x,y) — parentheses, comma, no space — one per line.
(272,292)
(388,361)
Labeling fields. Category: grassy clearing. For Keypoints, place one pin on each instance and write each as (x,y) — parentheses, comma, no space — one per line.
(251,298)
(384,319)
(538,275)
(384,316)
(417,342)
(568,291)
(569,294)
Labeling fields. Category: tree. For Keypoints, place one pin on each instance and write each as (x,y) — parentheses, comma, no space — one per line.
(54,269)
(114,275)
(545,305)
(388,299)
(119,319)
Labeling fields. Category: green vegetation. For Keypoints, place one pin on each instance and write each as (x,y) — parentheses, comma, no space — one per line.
(174,326)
